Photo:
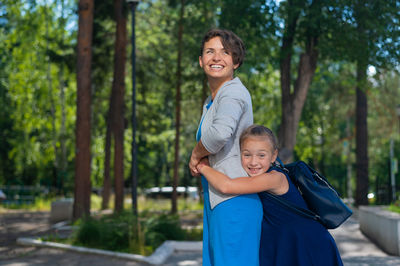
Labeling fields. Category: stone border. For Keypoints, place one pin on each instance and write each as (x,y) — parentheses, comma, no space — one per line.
(159,256)
(381,226)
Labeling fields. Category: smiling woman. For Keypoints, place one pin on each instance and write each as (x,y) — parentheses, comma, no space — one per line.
(231,223)
(217,63)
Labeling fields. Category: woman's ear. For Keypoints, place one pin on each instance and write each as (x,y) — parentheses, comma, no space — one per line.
(200,62)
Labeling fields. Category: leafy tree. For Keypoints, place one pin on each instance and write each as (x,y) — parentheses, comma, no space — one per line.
(35,107)
(373,39)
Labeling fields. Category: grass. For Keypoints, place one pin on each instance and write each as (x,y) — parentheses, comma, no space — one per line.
(40,204)
(43,203)
(150,204)
(394,207)
(124,232)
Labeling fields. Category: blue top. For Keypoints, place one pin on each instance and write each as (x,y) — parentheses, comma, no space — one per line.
(289,239)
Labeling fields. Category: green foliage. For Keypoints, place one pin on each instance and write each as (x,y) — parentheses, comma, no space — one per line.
(394,207)
(41,203)
(161,228)
(37,58)
(35,44)
(126,233)
(154,205)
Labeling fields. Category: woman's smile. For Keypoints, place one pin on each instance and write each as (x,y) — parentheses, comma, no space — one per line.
(216,61)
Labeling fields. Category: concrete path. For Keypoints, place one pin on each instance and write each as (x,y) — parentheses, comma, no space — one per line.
(355,248)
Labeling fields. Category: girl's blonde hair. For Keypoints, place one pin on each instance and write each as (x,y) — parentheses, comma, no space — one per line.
(259,131)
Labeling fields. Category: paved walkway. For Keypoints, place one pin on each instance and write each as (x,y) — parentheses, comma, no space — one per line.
(355,248)
(358,250)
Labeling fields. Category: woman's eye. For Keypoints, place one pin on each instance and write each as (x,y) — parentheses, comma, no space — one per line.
(261,155)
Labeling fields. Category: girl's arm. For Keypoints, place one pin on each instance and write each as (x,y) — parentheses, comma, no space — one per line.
(273,181)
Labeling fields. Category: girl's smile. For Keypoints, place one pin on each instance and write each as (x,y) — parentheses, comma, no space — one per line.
(257,155)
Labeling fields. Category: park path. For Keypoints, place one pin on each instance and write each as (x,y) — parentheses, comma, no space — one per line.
(354,247)
(357,250)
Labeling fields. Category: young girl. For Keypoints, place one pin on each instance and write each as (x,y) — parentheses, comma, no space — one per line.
(286,238)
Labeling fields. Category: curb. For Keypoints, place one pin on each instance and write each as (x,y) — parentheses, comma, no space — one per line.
(159,256)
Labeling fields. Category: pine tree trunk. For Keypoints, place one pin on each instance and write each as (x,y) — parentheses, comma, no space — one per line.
(63,157)
(174,199)
(107,158)
(82,152)
(361,138)
(119,88)
(362,182)
(293,102)
(53,117)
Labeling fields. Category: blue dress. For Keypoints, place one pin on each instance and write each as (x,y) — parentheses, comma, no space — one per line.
(288,239)
(231,231)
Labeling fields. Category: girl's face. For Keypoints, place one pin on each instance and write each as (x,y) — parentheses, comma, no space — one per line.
(257,154)
(216,61)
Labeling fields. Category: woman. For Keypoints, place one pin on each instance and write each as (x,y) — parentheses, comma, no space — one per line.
(231,223)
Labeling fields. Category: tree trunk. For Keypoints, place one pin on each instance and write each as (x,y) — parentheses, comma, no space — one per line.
(292,103)
(82,152)
(362,183)
(119,89)
(63,157)
(53,117)
(107,157)
(349,160)
(361,137)
(174,199)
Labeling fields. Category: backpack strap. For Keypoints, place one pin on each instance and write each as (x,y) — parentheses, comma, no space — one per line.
(288,205)
(296,209)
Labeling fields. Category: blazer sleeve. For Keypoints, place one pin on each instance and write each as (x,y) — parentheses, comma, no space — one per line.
(230,106)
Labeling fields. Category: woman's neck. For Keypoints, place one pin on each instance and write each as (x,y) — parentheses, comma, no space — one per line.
(215,85)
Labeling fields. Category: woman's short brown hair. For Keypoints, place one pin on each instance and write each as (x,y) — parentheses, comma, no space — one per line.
(231,42)
(259,131)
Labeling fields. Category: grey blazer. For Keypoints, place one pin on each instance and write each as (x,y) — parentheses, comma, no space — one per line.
(230,113)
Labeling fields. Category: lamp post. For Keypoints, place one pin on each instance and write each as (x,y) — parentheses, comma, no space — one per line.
(392,170)
(393,161)
(398,114)
(133,4)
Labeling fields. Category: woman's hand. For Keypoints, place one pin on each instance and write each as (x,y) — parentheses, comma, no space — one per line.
(194,161)
(199,152)
(203,162)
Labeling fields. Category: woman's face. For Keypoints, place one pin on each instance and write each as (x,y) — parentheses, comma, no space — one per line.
(216,62)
